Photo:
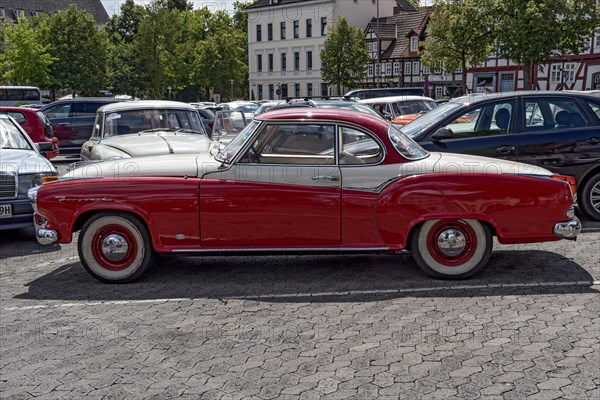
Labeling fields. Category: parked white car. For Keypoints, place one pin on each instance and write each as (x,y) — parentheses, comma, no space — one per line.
(401,109)
(145,128)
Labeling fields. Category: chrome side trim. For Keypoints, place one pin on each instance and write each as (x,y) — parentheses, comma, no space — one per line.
(287,249)
(376,189)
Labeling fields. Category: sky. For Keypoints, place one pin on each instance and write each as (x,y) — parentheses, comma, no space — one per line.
(113,6)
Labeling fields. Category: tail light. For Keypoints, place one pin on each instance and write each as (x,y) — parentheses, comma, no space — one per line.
(570,180)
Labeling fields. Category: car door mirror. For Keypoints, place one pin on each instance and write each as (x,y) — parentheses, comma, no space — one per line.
(442,133)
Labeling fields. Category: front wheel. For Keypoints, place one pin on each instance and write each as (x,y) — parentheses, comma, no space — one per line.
(590,198)
(115,247)
(452,248)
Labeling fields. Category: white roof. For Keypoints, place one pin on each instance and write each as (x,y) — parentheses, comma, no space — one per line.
(145,105)
(393,99)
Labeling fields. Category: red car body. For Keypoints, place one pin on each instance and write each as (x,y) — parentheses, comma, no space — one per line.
(445,207)
(36,125)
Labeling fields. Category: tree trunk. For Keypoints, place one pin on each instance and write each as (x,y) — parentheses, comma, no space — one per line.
(527,75)
(464,73)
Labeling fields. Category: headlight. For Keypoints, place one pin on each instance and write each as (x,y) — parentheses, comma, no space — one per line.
(28,181)
(114,158)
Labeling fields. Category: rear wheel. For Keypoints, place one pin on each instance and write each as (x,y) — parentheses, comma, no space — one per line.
(115,247)
(590,198)
(452,248)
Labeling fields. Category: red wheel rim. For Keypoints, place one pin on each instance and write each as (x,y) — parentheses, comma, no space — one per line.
(449,231)
(98,247)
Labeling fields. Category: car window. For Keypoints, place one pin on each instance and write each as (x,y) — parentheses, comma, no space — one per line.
(412,107)
(19,117)
(357,148)
(12,138)
(552,114)
(488,119)
(86,108)
(58,111)
(310,144)
(595,108)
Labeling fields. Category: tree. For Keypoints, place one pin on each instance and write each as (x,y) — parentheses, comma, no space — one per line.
(530,32)
(25,60)
(240,17)
(80,49)
(344,55)
(181,5)
(459,35)
(127,22)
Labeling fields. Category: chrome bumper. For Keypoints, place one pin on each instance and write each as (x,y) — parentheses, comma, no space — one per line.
(568,229)
(43,235)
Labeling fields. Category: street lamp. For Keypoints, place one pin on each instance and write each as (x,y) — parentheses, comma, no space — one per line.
(378,68)
(231,81)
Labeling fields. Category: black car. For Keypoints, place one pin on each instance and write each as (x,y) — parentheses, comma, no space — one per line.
(559,131)
(73,120)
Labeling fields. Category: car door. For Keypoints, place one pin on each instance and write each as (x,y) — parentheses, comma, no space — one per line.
(83,115)
(559,133)
(485,129)
(59,116)
(283,191)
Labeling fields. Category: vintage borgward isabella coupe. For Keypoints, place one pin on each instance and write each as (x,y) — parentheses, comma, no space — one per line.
(304,180)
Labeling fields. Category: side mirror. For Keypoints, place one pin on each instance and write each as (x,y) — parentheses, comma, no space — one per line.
(442,133)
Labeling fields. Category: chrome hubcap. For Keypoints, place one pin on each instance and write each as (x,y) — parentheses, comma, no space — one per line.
(114,247)
(451,242)
(595,196)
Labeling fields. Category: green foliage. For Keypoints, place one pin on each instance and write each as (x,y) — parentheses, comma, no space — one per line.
(240,18)
(125,25)
(180,5)
(459,34)
(24,60)
(531,31)
(344,55)
(80,49)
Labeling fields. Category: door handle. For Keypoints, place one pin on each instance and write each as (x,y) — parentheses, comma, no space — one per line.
(593,141)
(64,124)
(505,149)
(334,178)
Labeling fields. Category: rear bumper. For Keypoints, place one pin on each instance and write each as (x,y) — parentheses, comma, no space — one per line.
(567,229)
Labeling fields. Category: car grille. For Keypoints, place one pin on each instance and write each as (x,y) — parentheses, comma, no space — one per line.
(8,186)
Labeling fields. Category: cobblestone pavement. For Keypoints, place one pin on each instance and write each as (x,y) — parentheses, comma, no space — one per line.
(301,327)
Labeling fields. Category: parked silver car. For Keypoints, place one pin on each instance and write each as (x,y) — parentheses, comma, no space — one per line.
(145,128)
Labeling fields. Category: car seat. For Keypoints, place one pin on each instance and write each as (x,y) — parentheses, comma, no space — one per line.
(502,118)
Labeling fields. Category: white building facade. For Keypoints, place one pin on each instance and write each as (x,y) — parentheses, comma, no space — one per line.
(285,40)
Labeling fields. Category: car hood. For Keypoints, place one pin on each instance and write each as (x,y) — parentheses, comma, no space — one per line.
(155,144)
(183,165)
(23,162)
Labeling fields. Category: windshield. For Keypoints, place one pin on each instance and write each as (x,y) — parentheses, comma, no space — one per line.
(407,147)
(352,106)
(413,107)
(11,137)
(247,108)
(134,121)
(414,128)
(229,152)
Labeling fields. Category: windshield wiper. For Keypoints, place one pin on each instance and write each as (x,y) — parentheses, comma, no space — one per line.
(156,130)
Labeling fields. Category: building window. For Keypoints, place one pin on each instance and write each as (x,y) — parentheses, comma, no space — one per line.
(259,63)
(560,73)
(309,60)
(388,69)
(323,26)
(370,70)
(283,61)
(426,69)
(2,13)
(284,91)
(296,29)
(269,31)
(271,91)
(324,89)
(258,33)
(309,92)
(438,67)
(407,68)
(282,30)
(377,69)
(270,62)
(297,90)
(597,38)
(396,68)
(260,92)
(416,67)
(309,27)
(414,43)
(296,61)
(373,47)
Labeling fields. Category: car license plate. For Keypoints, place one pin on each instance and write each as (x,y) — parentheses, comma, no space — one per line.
(5,211)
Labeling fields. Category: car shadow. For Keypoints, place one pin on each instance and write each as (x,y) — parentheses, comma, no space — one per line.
(323,278)
(27,244)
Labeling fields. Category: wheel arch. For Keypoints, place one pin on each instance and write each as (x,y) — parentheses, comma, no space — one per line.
(589,174)
(421,221)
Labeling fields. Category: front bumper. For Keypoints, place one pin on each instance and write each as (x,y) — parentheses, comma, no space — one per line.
(568,229)
(43,235)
